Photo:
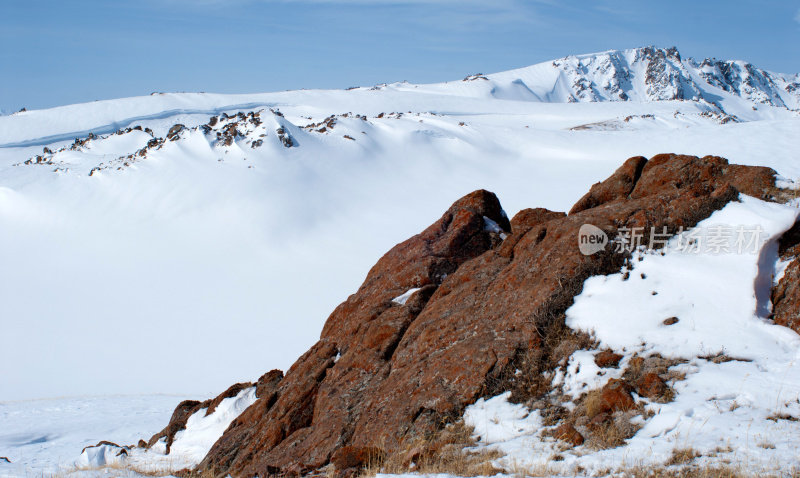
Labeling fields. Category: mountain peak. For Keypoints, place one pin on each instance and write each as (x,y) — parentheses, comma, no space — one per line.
(651,73)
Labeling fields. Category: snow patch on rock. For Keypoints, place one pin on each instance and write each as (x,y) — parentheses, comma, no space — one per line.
(403,298)
(743,409)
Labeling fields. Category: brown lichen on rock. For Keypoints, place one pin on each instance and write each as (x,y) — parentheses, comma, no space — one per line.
(488,317)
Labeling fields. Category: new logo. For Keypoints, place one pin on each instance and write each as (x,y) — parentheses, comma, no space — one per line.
(591,239)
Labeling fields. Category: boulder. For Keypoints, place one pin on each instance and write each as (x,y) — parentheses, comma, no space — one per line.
(607,358)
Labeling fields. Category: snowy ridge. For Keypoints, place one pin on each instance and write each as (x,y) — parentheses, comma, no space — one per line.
(649,74)
(136,226)
(272,182)
(640,75)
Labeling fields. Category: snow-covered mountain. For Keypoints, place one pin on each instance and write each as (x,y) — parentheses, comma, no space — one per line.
(116,201)
(181,242)
(649,74)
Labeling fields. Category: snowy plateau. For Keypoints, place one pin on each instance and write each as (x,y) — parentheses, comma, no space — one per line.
(159,248)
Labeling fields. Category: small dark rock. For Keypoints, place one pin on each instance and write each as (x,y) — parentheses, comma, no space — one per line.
(101,443)
(285,137)
(607,358)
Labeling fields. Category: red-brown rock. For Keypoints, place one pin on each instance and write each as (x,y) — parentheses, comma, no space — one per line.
(569,434)
(103,443)
(786,294)
(521,225)
(650,385)
(528,218)
(607,358)
(267,384)
(614,397)
(618,186)
(383,373)
(356,457)
(322,401)
(671,321)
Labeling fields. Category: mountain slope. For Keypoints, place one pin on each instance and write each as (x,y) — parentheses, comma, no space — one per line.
(216,236)
(639,75)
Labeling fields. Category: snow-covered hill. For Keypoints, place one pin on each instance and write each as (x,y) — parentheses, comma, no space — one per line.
(145,256)
(181,242)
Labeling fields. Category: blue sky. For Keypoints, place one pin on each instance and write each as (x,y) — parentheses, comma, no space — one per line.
(59,52)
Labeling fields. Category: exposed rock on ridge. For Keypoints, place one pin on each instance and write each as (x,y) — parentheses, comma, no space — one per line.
(484,309)
(665,76)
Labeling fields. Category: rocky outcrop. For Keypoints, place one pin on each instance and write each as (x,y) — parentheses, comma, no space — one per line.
(186,409)
(484,314)
(329,394)
(786,293)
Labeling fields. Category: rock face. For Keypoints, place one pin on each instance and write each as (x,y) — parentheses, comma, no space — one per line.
(487,305)
(786,294)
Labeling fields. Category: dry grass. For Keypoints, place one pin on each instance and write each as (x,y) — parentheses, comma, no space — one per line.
(129,469)
(441,453)
(534,471)
(781,195)
(706,471)
(456,462)
(613,433)
(603,429)
(593,403)
(689,472)
(682,456)
(782,416)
